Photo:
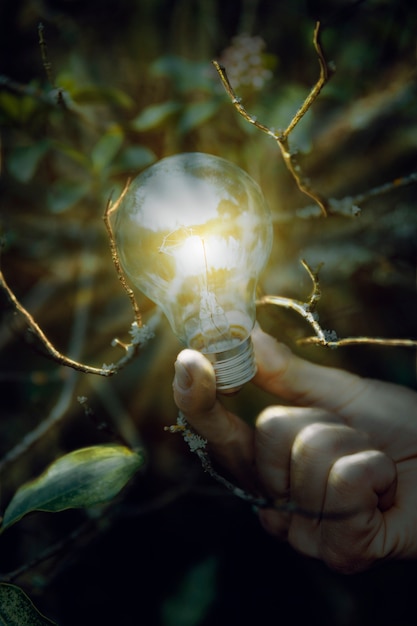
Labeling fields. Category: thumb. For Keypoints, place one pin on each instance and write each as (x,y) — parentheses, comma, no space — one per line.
(194,384)
(230,439)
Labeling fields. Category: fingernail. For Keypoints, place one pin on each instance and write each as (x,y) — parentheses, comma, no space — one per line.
(182,377)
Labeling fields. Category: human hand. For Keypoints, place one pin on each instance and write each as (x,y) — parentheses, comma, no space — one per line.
(347,451)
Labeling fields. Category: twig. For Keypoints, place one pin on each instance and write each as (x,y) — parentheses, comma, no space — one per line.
(57,413)
(51,351)
(197,444)
(24,90)
(48,553)
(139,333)
(316,291)
(351,341)
(112,512)
(48,66)
(120,417)
(76,343)
(110,209)
(299,307)
(305,309)
(349,205)
(404,181)
(323,337)
(326,71)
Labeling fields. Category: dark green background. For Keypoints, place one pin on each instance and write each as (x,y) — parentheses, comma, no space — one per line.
(137,562)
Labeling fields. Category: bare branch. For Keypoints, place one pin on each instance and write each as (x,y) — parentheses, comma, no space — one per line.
(47,65)
(77,338)
(35,329)
(139,333)
(238,103)
(48,553)
(110,209)
(302,308)
(351,341)
(326,72)
(198,445)
(324,337)
(404,181)
(281,137)
(316,291)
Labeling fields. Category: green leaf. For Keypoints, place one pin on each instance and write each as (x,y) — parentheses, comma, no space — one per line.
(79,479)
(186,76)
(18,107)
(196,114)
(16,609)
(9,106)
(196,593)
(64,194)
(133,159)
(107,95)
(78,157)
(106,148)
(23,160)
(155,115)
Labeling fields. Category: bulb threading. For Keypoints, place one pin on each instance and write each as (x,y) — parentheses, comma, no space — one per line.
(234,367)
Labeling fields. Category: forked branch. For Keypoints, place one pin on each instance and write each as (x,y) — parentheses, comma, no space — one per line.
(326,71)
(323,337)
(139,333)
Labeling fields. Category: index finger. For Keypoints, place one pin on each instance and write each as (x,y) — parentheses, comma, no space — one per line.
(387,412)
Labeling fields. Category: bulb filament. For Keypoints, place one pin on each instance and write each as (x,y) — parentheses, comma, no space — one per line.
(189,251)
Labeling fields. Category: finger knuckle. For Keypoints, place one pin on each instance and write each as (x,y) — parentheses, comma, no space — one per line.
(322,438)
(267,419)
(350,472)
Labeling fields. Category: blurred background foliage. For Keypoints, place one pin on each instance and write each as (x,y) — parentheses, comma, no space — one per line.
(130,82)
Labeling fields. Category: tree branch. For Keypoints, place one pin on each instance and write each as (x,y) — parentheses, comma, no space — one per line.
(35,329)
(326,71)
(110,209)
(139,333)
(197,444)
(324,337)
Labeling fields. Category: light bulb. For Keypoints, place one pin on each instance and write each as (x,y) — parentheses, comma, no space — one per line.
(193,232)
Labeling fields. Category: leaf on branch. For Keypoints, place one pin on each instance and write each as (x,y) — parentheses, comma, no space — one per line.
(106,148)
(155,116)
(79,479)
(62,195)
(196,114)
(16,609)
(23,161)
(132,159)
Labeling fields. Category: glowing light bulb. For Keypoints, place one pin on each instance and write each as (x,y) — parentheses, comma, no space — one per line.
(193,233)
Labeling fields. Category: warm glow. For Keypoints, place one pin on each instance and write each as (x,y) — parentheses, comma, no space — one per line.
(193,233)
(197,255)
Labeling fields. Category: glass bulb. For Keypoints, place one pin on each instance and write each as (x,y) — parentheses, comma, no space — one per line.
(193,233)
